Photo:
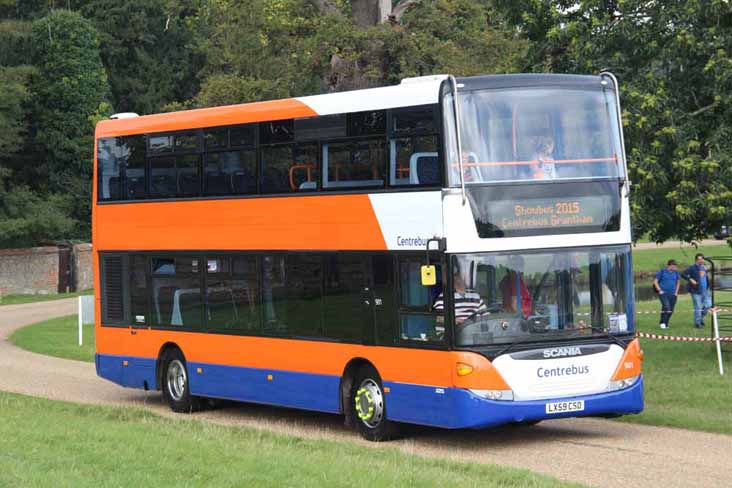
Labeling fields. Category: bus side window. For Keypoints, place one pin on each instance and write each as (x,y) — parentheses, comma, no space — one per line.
(176,287)
(232,293)
(413,147)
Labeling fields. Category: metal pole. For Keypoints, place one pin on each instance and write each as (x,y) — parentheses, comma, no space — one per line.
(81,328)
(718,342)
(620,117)
(456,108)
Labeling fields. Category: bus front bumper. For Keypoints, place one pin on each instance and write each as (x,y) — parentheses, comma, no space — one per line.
(477,412)
(457,408)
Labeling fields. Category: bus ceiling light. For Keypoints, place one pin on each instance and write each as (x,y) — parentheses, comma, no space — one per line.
(498,395)
(464,369)
(620,384)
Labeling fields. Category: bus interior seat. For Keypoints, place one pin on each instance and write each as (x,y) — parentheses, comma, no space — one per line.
(190,308)
(308,185)
(424,169)
(114,187)
(188,184)
(163,185)
(135,187)
(217,184)
(165,303)
(275,181)
(244,182)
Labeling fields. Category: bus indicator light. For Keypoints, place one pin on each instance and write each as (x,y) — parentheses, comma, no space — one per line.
(464,369)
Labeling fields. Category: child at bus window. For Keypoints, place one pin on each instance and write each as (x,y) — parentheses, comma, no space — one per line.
(545,169)
(466,300)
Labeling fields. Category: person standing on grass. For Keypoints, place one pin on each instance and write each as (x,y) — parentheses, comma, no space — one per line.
(667,284)
(696,274)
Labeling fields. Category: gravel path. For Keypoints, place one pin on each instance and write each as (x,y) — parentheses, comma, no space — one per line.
(592,451)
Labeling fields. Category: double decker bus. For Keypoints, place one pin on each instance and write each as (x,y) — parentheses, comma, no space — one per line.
(445,252)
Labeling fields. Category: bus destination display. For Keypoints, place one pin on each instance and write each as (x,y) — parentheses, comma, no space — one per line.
(549,213)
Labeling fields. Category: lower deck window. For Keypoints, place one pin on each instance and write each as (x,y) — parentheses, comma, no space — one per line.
(176,285)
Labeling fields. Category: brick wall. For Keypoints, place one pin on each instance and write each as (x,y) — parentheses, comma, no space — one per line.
(37,270)
(83,270)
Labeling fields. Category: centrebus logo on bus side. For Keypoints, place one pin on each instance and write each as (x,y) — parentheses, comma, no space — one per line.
(560,352)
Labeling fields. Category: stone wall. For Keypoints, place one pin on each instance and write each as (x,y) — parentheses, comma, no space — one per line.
(43,270)
(83,269)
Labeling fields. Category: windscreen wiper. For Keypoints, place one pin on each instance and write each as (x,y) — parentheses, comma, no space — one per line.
(605,333)
(509,347)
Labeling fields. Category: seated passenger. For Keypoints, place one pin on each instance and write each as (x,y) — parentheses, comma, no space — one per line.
(544,155)
(515,294)
(467,301)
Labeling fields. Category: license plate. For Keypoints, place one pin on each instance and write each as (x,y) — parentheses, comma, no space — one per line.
(563,407)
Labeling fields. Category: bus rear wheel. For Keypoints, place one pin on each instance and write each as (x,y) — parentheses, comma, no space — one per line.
(176,391)
(369,407)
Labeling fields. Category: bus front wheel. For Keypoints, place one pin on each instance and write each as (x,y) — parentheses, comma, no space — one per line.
(176,391)
(369,406)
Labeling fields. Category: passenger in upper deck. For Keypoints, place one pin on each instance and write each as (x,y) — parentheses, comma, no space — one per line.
(545,169)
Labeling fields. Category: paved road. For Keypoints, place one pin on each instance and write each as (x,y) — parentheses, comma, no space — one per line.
(592,451)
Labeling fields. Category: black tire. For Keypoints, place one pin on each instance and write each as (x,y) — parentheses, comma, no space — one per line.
(368,405)
(175,385)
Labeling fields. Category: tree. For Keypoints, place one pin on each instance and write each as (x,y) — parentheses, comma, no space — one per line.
(258,49)
(68,89)
(147,49)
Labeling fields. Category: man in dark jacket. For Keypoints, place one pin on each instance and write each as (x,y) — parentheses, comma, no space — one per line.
(667,284)
(699,288)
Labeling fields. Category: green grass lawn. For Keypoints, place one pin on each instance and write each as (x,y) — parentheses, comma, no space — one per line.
(47,443)
(683,387)
(651,260)
(57,337)
(17,299)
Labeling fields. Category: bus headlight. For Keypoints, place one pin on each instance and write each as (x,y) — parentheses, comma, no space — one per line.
(504,395)
(620,384)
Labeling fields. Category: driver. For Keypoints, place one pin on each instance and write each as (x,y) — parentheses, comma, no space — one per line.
(516,295)
(467,301)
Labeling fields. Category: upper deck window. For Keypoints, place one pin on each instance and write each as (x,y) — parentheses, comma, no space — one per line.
(413,147)
(121,169)
(535,134)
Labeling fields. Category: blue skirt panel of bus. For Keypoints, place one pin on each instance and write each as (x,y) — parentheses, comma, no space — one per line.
(283,388)
(130,371)
(444,407)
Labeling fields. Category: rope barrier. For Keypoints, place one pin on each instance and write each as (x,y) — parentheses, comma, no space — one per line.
(662,337)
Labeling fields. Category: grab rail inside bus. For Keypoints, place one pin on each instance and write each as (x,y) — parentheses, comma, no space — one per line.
(306,166)
(535,162)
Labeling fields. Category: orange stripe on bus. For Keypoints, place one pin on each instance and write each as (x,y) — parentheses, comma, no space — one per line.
(206,117)
(332,222)
(404,365)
